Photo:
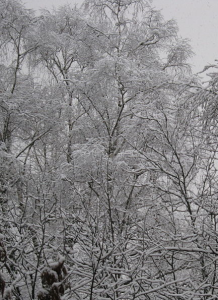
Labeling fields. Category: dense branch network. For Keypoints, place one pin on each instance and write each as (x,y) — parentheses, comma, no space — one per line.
(108,157)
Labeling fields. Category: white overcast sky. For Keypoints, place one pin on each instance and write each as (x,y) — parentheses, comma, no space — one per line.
(197,21)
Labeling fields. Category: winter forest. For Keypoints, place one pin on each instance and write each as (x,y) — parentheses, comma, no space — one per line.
(108,157)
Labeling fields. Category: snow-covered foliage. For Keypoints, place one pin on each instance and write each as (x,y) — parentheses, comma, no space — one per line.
(108,157)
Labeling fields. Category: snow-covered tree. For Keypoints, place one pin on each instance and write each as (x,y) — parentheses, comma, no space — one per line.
(108,157)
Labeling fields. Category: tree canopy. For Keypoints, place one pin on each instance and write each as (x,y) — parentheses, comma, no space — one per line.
(108,151)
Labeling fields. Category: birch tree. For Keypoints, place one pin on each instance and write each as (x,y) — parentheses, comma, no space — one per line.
(107,188)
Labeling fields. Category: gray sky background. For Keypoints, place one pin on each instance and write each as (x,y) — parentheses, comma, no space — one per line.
(197,21)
